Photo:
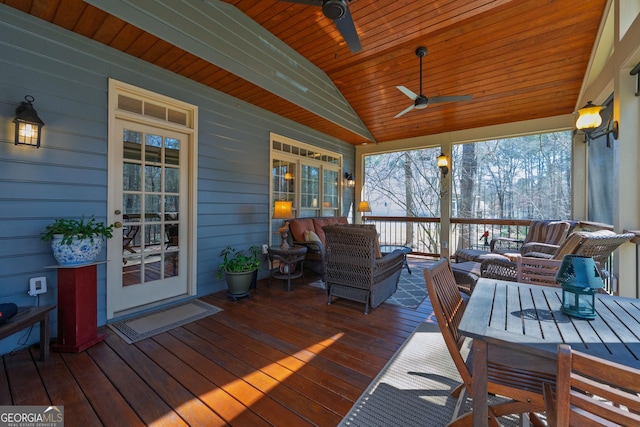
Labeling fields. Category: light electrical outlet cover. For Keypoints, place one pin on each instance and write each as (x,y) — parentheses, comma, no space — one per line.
(265,249)
(37,285)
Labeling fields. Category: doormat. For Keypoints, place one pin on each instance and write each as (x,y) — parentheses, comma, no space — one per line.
(146,325)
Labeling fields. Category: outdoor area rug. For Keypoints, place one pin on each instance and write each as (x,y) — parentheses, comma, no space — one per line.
(149,324)
(412,289)
(414,387)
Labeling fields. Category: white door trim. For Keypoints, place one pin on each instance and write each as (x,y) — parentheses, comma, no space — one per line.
(189,126)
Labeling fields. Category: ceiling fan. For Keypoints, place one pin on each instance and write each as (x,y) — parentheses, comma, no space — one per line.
(339,12)
(420,101)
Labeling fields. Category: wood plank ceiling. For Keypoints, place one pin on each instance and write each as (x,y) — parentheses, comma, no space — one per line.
(520,59)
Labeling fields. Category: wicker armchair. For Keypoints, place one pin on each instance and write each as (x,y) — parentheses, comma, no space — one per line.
(596,244)
(545,231)
(353,271)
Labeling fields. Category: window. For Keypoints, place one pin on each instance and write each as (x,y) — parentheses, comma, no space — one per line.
(307,176)
(524,177)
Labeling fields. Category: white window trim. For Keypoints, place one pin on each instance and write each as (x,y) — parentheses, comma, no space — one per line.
(299,160)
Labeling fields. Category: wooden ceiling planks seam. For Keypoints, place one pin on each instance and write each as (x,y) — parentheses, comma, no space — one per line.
(520,59)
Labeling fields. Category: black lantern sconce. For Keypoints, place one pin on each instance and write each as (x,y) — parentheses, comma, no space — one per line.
(28,124)
(636,72)
(349,181)
(589,119)
(443,164)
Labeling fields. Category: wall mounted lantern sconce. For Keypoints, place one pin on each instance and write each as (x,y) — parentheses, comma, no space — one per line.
(636,72)
(443,164)
(589,119)
(28,124)
(349,181)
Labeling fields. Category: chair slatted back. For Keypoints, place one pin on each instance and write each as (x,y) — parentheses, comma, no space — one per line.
(593,391)
(523,387)
(448,306)
(539,271)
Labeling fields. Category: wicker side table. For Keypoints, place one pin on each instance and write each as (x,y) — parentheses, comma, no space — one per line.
(290,259)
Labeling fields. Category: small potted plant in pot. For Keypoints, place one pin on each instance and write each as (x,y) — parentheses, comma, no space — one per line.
(240,269)
(76,242)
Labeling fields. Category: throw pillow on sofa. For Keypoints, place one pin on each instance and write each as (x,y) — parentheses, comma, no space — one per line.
(311,236)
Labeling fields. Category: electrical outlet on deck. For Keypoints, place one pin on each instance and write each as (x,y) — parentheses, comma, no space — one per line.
(265,248)
(37,285)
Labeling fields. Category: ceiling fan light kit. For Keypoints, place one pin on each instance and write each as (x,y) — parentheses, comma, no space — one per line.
(334,9)
(421,102)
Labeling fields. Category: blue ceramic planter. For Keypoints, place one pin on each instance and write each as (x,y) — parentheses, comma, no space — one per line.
(80,251)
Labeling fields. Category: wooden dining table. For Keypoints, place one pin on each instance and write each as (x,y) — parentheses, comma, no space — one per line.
(521,325)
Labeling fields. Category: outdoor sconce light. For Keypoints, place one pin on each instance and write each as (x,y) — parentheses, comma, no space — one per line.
(589,119)
(349,181)
(636,72)
(28,124)
(580,280)
(443,164)
(283,210)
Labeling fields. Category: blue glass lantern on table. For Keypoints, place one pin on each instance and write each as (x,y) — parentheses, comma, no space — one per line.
(580,280)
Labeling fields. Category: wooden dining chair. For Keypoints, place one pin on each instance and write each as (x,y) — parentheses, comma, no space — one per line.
(592,391)
(521,388)
(537,271)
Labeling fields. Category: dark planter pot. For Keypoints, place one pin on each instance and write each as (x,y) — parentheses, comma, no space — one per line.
(239,284)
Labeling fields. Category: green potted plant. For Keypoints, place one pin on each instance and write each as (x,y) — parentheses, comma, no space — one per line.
(240,269)
(76,242)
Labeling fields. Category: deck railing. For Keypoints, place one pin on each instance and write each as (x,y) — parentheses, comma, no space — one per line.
(422,235)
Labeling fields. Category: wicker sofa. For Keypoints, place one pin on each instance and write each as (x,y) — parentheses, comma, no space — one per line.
(597,244)
(540,231)
(353,269)
(315,243)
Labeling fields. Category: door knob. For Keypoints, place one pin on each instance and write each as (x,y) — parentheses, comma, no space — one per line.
(117,224)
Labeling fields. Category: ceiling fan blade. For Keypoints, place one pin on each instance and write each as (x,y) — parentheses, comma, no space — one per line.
(348,30)
(449,98)
(406,110)
(407,92)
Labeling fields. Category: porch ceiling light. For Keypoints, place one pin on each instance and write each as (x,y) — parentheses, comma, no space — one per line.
(28,124)
(443,164)
(349,181)
(589,119)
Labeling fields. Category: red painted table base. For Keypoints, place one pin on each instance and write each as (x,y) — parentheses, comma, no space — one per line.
(77,309)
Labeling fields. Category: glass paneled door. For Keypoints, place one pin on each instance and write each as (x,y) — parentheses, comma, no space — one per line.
(149,197)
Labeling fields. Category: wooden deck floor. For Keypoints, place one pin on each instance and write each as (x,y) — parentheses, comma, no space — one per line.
(278,358)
